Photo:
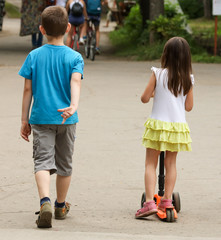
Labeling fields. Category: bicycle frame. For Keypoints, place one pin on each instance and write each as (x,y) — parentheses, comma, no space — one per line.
(75,38)
(91,41)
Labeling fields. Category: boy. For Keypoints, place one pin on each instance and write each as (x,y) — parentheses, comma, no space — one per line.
(53,76)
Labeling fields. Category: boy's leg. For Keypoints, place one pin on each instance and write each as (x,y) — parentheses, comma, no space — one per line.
(43,183)
(43,153)
(171,173)
(63,155)
(62,186)
(150,172)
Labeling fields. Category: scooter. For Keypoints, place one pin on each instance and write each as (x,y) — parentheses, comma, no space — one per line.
(167,214)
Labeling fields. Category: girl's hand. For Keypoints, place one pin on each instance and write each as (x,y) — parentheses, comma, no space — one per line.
(25,130)
(67,112)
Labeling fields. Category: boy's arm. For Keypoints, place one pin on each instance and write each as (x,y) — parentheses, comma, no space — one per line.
(26,103)
(75,96)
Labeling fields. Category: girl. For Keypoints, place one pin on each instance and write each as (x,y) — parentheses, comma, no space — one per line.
(76,20)
(167,129)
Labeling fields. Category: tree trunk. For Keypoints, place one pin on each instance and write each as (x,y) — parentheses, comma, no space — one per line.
(156,8)
(145,11)
(207,9)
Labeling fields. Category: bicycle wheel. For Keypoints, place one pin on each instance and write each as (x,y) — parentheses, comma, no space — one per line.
(87,47)
(92,47)
(75,47)
(92,53)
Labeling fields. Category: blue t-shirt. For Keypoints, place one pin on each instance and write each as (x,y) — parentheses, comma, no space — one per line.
(50,68)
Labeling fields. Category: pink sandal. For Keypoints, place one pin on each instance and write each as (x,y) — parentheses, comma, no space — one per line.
(149,208)
(165,203)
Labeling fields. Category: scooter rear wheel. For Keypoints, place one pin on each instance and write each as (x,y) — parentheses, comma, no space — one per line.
(176,201)
(143,199)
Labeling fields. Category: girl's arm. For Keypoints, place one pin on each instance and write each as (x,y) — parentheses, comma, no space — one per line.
(68,5)
(84,10)
(189,101)
(75,96)
(26,103)
(149,91)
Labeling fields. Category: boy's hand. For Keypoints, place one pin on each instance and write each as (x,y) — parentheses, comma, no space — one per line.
(67,112)
(25,130)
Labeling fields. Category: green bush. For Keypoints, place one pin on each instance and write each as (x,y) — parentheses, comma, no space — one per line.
(170,25)
(130,31)
(165,28)
(192,8)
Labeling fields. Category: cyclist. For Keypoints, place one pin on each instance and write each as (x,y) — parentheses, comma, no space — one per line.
(77,15)
(94,14)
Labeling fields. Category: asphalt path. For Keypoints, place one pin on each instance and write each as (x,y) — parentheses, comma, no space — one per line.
(108,171)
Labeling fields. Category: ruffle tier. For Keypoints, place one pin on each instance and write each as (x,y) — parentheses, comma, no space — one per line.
(168,136)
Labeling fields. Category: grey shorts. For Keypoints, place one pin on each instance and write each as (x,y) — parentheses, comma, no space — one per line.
(53,148)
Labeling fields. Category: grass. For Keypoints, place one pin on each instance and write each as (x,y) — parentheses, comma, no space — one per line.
(203,33)
(12,11)
(205,27)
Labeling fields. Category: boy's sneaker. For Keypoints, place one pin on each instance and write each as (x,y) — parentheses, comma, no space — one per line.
(165,203)
(60,213)
(149,208)
(81,41)
(45,216)
(98,51)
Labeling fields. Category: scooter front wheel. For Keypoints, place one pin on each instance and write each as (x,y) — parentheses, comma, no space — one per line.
(170,215)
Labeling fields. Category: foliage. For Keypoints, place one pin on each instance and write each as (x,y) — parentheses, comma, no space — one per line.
(170,25)
(131,29)
(166,28)
(133,42)
(192,8)
(12,11)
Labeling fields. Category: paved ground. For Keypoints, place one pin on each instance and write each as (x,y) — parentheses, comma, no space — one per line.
(109,160)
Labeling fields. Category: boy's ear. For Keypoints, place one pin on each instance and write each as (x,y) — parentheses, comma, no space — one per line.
(42,30)
(68,28)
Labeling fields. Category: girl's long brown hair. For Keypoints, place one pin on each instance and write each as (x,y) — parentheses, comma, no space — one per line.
(176,58)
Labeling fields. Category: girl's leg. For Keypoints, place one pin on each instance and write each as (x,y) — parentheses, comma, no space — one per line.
(171,173)
(62,185)
(43,183)
(81,30)
(70,33)
(150,172)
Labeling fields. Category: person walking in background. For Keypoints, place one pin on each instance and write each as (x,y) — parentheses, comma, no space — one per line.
(167,129)
(31,19)
(77,15)
(112,11)
(53,76)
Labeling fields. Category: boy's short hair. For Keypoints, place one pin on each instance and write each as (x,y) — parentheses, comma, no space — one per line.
(54,20)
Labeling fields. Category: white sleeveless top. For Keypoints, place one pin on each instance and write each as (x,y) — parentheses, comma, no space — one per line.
(167,107)
(71,5)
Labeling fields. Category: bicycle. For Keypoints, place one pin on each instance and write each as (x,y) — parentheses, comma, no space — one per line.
(75,38)
(90,43)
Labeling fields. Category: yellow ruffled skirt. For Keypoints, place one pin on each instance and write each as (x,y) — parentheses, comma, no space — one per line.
(167,136)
